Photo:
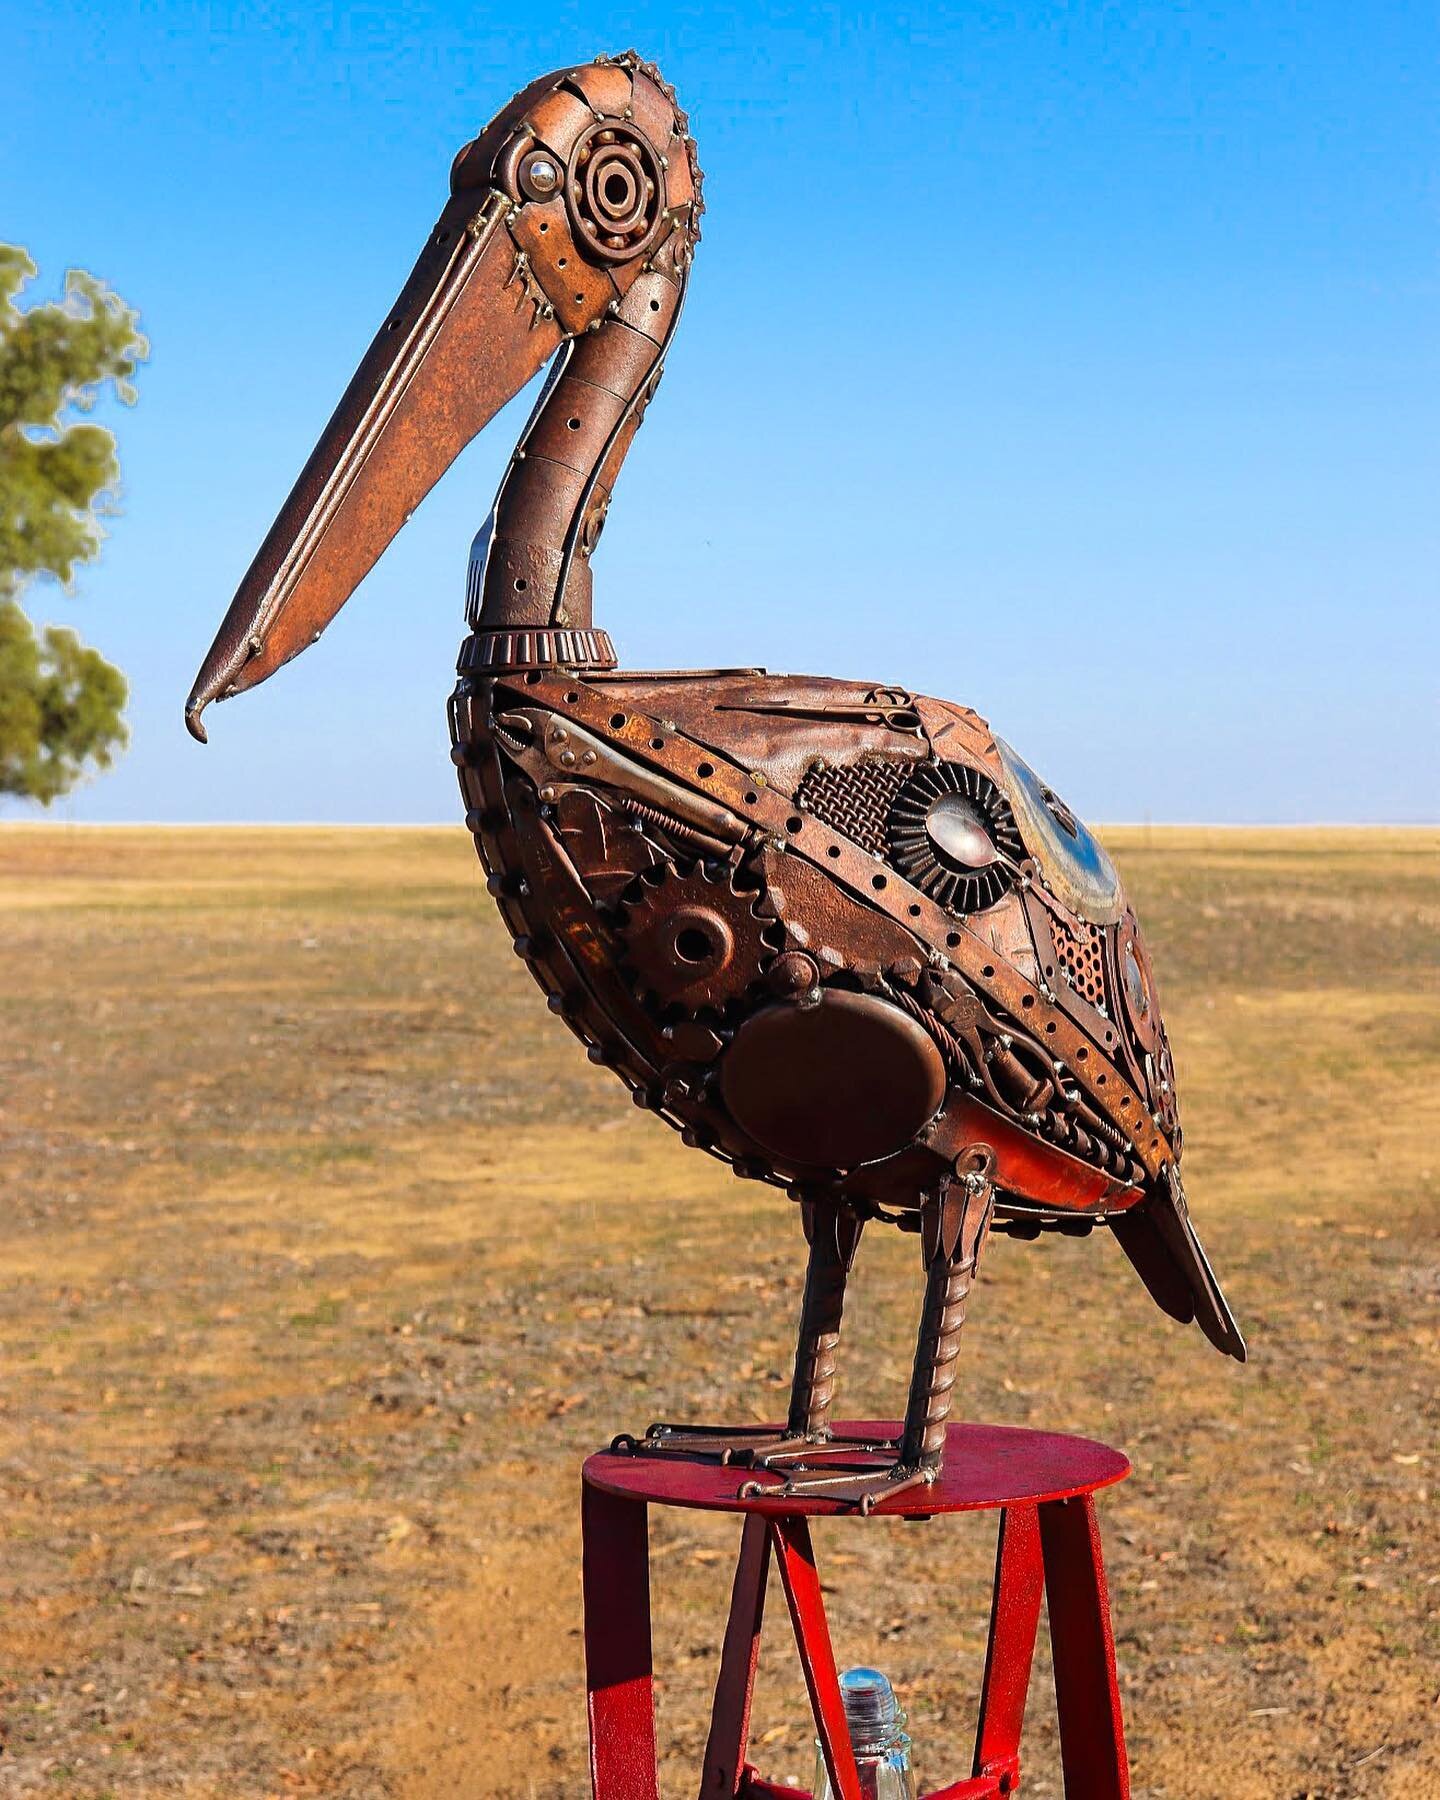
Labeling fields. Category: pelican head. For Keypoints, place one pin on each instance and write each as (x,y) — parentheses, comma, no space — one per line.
(567,237)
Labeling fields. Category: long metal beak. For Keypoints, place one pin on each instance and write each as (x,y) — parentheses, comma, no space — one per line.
(463,338)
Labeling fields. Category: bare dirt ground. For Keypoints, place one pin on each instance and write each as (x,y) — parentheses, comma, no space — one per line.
(328,1256)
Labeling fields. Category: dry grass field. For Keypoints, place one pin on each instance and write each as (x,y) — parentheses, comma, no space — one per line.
(327,1256)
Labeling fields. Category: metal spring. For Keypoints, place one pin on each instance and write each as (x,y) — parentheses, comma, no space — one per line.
(643,813)
(1094,1122)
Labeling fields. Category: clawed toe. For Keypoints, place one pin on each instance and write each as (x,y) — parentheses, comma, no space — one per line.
(855,1471)
(863,1488)
(724,1444)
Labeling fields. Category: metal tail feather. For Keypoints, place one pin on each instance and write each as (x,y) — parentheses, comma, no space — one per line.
(1161,1243)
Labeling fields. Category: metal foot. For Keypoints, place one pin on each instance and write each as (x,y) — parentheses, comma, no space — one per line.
(723,1444)
(856,1471)
(864,1484)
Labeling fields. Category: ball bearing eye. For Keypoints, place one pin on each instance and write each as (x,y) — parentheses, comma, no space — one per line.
(540,176)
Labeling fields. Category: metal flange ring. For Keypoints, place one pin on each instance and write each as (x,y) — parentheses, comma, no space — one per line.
(615,191)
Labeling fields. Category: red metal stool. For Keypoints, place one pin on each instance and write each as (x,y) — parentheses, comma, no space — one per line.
(1041,1483)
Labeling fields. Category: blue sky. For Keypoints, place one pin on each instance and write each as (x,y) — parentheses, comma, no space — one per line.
(1077,362)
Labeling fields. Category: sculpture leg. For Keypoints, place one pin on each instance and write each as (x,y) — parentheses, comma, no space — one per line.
(953,1225)
(954,1220)
(833,1233)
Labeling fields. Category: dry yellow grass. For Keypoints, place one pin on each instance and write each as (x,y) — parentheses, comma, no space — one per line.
(328,1256)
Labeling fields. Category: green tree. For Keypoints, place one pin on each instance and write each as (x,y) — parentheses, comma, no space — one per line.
(61,703)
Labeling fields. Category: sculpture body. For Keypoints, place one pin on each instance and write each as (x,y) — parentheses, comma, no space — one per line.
(838,934)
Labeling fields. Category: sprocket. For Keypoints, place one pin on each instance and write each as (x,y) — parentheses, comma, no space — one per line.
(692,938)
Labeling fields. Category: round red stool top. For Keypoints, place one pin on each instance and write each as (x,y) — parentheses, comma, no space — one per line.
(985,1466)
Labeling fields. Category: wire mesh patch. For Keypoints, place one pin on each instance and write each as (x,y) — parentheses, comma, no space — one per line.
(856,798)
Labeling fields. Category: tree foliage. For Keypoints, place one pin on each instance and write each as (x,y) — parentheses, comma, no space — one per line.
(60,702)
(60,705)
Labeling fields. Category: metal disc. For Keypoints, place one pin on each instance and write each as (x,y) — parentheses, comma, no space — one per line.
(957,830)
(1075,866)
(833,1085)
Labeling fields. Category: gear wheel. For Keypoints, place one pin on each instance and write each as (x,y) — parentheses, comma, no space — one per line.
(693,940)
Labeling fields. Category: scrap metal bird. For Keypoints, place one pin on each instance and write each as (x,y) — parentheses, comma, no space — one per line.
(838,934)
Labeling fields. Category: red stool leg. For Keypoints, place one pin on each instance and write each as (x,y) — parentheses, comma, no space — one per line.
(795,1558)
(1092,1733)
(615,1573)
(1014,1620)
(730,1714)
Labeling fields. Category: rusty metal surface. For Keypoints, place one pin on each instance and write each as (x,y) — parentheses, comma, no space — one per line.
(836,933)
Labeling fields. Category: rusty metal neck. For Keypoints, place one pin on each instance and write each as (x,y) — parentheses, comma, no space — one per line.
(607,260)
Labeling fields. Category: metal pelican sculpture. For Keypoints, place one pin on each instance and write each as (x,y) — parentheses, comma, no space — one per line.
(836,933)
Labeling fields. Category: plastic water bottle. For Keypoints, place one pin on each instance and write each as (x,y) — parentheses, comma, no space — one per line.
(877,1736)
